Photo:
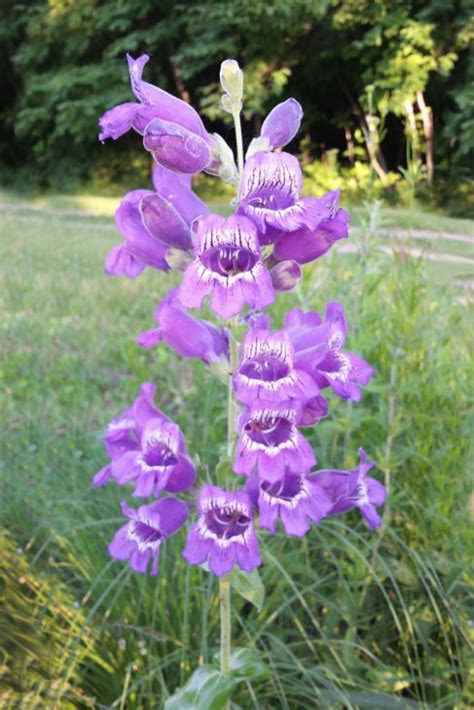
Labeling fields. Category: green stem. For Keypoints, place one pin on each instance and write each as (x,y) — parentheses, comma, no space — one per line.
(224,596)
(239,142)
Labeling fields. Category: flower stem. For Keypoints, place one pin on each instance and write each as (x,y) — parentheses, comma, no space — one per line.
(239,142)
(224,596)
(231,404)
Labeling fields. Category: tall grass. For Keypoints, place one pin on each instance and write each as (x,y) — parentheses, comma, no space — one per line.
(351,619)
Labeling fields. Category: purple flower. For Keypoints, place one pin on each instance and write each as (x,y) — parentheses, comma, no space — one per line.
(187,335)
(293,499)
(223,534)
(318,350)
(152,222)
(282,123)
(306,244)
(177,148)
(266,370)
(153,103)
(146,448)
(139,540)
(353,489)
(270,442)
(228,267)
(270,195)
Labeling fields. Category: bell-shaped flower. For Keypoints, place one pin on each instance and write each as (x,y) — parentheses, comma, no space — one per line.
(267,371)
(223,534)
(282,123)
(228,267)
(146,449)
(188,336)
(152,103)
(153,222)
(319,351)
(306,244)
(140,539)
(295,499)
(270,195)
(353,489)
(270,442)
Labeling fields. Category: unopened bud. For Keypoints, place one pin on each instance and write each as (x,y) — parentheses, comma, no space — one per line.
(285,275)
(178,259)
(232,81)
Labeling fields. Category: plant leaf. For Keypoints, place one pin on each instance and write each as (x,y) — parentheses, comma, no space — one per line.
(247,664)
(206,689)
(249,586)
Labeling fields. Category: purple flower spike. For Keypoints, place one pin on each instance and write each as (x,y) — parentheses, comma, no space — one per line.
(153,103)
(270,442)
(140,539)
(175,147)
(187,335)
(353,489)
(270,194)
(282,123)
(266,370)
(147,449)
(293,499)
(318,350)
(304,245)
(228,267)
(224,533)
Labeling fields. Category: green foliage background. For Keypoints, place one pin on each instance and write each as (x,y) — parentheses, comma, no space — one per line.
(62,65)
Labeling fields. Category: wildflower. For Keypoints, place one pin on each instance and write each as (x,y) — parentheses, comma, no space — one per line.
(152,222)
(139,540)
(266,370)
(354,489)
(282,123)
(147,449)
(306,244)
(223,534)
(293,499)
(318,350)
(228,267)
(189,336)
(153,103)
(269,440)
(270,195)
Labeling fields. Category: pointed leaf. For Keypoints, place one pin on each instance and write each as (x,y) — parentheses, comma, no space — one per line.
(247,664)
(206,689)
(249,586)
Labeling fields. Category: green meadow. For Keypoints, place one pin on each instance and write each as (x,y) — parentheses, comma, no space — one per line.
(351,619)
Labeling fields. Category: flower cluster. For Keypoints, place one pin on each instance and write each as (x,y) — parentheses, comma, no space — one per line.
(278,376)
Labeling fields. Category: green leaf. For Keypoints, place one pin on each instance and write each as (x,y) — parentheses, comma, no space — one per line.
(206,689)
(247,664)
(249,586)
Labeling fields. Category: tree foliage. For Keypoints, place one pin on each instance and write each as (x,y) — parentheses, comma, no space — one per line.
(63,65)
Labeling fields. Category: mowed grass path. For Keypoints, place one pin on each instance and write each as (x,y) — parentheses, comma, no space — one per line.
(350,617)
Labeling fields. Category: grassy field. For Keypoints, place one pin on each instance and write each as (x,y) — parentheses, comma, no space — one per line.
(351,619)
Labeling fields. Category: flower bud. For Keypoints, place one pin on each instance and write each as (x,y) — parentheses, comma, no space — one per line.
(232,78)
(285,275)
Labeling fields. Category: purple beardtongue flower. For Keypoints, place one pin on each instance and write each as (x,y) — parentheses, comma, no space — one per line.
(139,540)
(269,441)
(266,370)
(270,195)
(294,499)
(188,336)
(304,245)
(176,148)
(153,103)
(318,351)
(228,267)
(353,489)
(152,222)
(223,534)
(146,449)
(282,123)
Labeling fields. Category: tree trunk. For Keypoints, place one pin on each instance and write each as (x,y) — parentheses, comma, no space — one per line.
(428,130)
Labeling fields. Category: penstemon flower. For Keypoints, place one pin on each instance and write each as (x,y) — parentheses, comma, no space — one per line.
(240,264)
(223,534)
(228,266)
